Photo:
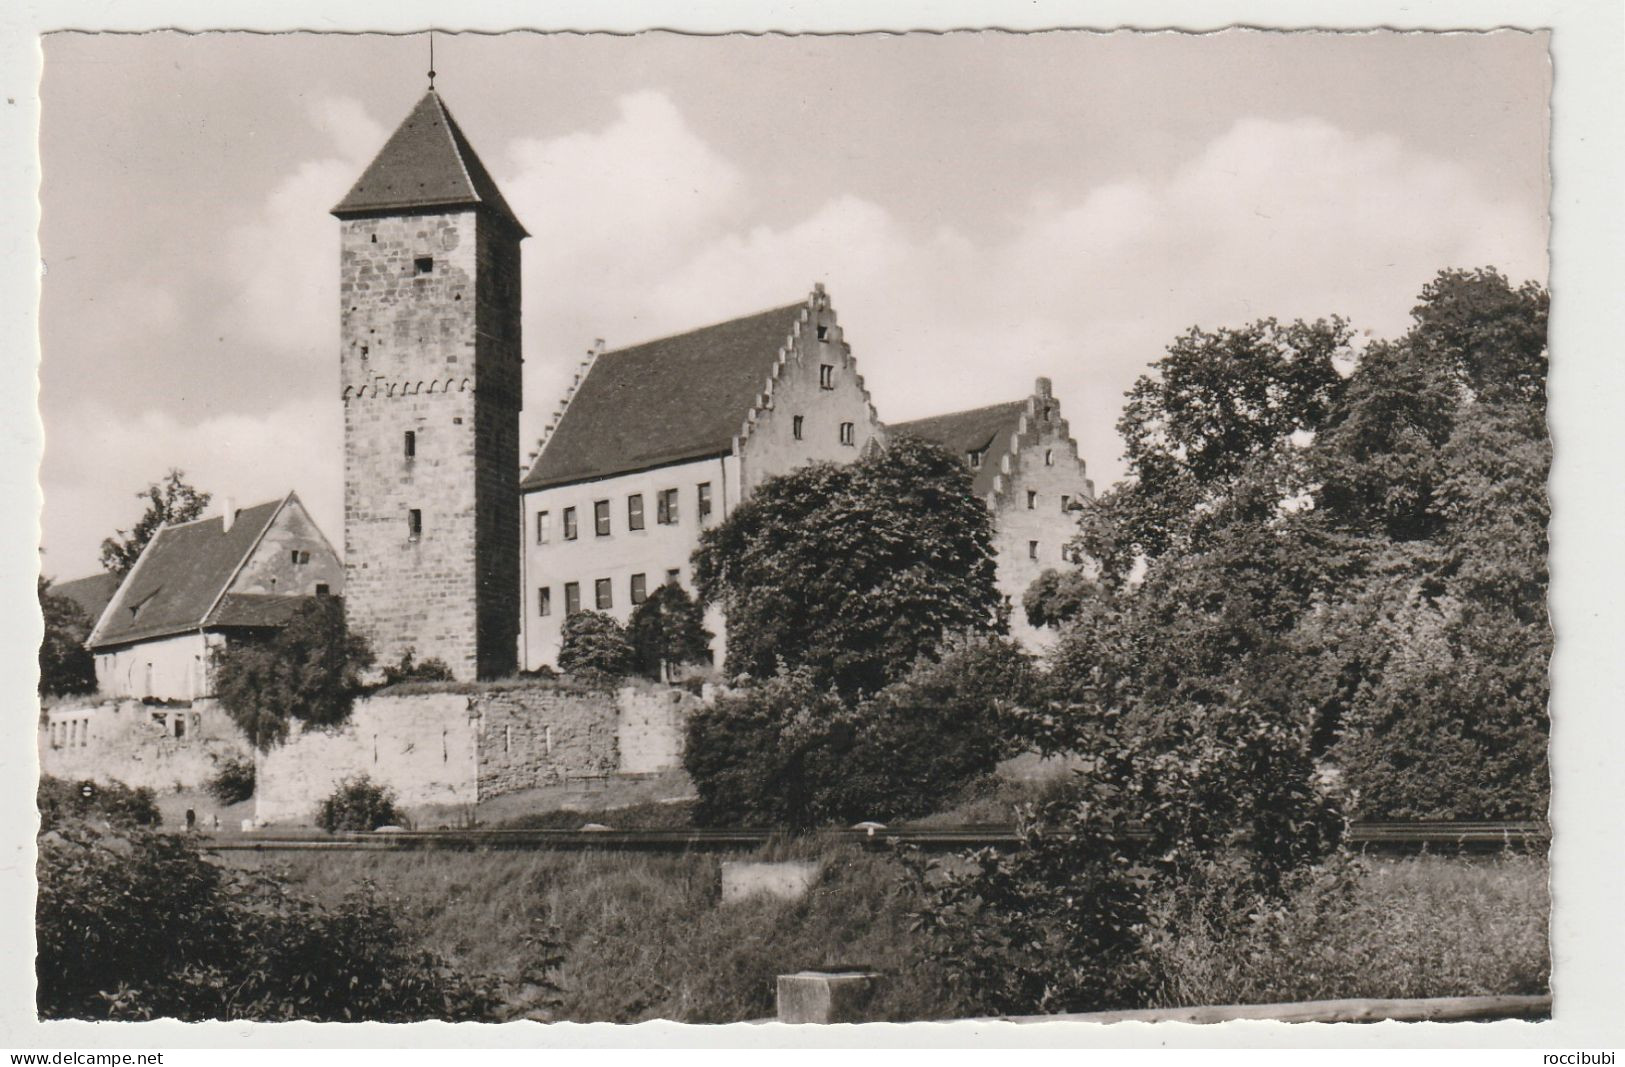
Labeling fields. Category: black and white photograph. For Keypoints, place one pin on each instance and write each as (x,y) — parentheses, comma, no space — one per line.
(797,528)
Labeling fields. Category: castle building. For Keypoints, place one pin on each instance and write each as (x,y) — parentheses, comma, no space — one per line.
(430,376)
(657,442)
(198,585)
(1025,465)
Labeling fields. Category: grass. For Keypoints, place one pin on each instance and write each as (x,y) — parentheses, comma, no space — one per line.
(645,936)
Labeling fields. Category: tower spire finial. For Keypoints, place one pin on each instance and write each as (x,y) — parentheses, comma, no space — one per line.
(431,61)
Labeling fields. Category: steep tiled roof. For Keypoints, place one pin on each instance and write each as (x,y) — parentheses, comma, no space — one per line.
(985,430)
(666,401)
(91,594)
(180,577)
(255,609)
(426,163)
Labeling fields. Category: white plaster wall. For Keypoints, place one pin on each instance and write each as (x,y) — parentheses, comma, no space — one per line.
(1016,526)
(166,668)
(136,744)
(651,551)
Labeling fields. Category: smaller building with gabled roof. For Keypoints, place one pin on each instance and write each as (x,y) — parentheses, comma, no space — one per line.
(1025,465)
(197,585)
(655,443)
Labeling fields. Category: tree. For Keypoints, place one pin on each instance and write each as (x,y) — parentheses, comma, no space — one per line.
(309,671)
(168,502)
(65,664)
(594,649)
(853,571)
(666,631)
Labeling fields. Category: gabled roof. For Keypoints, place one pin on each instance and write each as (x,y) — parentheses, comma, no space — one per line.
(91,594)
(665,401)
(985,430)
(182,576)
(426,163)
(256,609)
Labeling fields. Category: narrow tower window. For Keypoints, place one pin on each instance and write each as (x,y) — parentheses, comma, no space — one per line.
(795,427)
(414,524)
(1032,549)
(411,446)
(1032,500)
(423,265)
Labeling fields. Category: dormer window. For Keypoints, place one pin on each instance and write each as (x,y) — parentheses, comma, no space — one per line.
(423,265)
(826,376)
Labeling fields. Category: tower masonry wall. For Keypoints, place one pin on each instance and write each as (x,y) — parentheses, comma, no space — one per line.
(430,347)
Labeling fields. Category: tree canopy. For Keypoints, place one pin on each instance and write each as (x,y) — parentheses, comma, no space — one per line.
(169,501)
(853,571)
(666,631)
(65,664)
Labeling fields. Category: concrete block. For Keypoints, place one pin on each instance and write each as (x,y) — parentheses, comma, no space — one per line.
(826,996)
(787,880)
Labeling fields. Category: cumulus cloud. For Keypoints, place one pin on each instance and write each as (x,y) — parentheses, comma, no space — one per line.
(97,459)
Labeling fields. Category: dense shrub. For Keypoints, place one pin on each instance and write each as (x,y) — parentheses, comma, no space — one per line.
(111,803)
(785,753)
(594,650)
(409,669)
(357,804)
(233,780)
(139,925)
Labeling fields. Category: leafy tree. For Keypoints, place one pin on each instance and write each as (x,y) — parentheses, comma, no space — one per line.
(594,649)
(309,671)
(65,664)
(667,630)
(1057,597)
(853,571)
(168,502)
(233,780)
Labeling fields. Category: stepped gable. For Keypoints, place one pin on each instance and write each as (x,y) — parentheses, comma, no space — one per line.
(91,594)
(426,164)
(179,581)
(666,401)
(990,431)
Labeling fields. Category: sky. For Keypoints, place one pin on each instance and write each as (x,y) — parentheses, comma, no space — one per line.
(984,208)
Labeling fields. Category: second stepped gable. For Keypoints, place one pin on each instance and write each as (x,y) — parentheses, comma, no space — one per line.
(1025,464)
(657,442)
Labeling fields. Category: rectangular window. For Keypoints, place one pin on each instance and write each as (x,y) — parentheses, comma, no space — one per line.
(544,601)
(572,597)
(672,575)
(602,594)
(975,460)
(1066,503)
(322,589)
(640,589)
(634,511)
(826,376)
(704,501)
(1032,500)
(847,435)
(569,524)
(823,333)
(600,517)
(410,446)
(414,524)
(1049,457)
(543,521)
(423,265)
(1032,549)
(666,507)
(795,427)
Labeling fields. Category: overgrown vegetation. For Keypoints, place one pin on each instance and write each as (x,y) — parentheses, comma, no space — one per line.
(358,804)
(594,651)
(233,780)
(66,666)
(310,671)
(109,804)
(667,631)
(133,924)
(408,669)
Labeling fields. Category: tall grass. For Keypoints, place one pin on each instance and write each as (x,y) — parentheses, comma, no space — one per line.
(646,936)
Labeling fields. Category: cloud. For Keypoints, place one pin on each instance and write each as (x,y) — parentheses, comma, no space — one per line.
(97,459)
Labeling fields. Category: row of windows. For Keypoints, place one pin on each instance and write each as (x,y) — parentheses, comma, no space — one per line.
(603,593)
(975,458)
(1032,501)
(666,514)
(848,432)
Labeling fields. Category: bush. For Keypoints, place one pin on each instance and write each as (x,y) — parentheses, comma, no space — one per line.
(785,753)
(112,803)
(358,804)
(594,650)
(432,669)
(139,925)
(667,631)
(233,780)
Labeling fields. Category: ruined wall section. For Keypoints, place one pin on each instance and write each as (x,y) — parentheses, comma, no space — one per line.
(155,746)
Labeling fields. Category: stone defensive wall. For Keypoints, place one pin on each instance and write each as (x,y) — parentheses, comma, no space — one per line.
(441,749)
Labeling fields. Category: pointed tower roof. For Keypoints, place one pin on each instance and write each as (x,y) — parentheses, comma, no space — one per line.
(426,163)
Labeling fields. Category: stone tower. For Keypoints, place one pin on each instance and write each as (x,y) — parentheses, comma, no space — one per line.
(430,373)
